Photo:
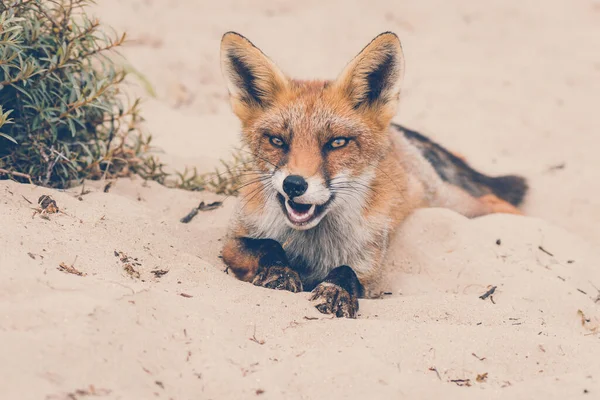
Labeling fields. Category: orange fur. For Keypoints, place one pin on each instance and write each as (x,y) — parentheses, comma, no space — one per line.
(497,205)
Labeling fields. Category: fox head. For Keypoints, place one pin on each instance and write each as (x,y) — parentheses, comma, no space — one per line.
(316,143)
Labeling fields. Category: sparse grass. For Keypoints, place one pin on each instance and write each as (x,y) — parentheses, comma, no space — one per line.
(226,179)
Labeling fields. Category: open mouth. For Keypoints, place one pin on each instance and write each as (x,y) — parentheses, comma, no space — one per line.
(301,214)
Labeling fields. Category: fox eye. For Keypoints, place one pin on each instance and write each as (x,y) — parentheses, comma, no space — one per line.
(337,143)
(277,142)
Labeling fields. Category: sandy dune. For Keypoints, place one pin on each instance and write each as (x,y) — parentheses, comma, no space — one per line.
(513,86)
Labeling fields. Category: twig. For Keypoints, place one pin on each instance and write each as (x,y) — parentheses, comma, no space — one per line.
(254,339)
(159,272)
(461,382)
(201,207)
(83,191)
(210,206)
(557,167)
(598,295)
(19,174)
(26,199)
(70,269)
(545,251)
(488,293)
(434,369)
(190,216)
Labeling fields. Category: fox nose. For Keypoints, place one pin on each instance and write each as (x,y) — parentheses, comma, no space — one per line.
(294,185)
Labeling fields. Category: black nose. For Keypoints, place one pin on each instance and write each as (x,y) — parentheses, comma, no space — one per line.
(294,185)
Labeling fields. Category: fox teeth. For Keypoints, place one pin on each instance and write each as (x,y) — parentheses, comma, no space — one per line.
(300,217)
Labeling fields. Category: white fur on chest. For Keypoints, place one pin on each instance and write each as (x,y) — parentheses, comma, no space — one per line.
(345,236)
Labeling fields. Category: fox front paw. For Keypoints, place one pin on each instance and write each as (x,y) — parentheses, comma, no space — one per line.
(330,298)
(279,278)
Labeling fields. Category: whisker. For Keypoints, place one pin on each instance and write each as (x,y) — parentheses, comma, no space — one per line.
(400,191)
(256,155)
(260,189)
(350,192)
(247,197)
(245,184)
(367,185)
(251,182)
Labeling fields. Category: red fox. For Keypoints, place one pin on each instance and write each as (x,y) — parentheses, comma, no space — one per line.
(332,177)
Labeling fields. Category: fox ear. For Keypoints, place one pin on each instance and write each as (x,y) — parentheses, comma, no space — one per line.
(253,80)
(374,76)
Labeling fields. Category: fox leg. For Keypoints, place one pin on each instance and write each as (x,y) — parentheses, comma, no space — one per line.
(338,294)
(262,262)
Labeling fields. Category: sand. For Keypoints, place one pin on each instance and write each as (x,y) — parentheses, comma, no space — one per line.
(511,85)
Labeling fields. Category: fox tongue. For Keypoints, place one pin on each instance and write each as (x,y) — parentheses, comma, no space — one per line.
(299,213)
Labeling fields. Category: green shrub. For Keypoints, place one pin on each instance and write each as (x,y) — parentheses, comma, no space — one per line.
(63,114)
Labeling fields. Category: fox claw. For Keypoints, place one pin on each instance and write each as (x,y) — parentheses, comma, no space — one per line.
(279,278)
(330,298)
